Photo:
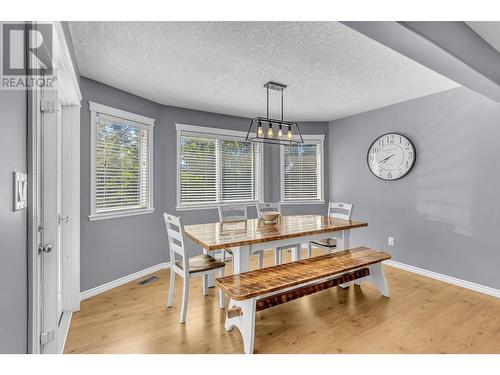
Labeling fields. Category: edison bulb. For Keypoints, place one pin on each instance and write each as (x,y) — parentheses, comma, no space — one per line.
(270,132)
(289,135)
(260,131)
(280,133)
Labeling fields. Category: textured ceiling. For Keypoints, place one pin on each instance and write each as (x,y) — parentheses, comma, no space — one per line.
(489,31)
(332,71)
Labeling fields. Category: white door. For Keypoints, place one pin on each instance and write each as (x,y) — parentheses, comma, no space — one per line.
(55,202)
(51,219)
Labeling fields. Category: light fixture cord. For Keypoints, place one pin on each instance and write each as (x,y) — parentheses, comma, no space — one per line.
(267,110)
(281,104)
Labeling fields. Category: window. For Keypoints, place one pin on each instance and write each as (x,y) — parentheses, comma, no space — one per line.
(215,166)
(121,163)
(302,171)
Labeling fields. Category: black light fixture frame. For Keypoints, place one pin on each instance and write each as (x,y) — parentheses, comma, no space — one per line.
(283,125)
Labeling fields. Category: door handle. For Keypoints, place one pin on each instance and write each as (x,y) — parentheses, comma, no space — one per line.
(64,219)
(47,248)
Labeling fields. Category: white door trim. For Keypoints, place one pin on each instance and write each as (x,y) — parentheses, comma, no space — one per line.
(70,97)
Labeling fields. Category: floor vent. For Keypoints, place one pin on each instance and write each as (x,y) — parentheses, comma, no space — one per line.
(149,280)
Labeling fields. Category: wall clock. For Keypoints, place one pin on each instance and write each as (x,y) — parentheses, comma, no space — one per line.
(391,156)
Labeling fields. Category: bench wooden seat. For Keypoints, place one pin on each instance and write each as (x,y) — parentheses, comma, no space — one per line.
(261,289)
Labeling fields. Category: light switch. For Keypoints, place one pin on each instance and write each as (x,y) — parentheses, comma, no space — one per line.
(20,190)
(390,241)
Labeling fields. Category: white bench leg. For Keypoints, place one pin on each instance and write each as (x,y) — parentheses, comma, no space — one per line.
(309,250)
(377,277)
(244,322)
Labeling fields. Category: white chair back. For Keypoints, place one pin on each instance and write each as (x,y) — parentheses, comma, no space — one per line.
(266,207)
(232,212)
(340,210)
(175,235)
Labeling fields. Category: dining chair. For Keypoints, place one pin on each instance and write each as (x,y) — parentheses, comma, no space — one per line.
(276,207)
(236,212)
(187,267)
(336,210)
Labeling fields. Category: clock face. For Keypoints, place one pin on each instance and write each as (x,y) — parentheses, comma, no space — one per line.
(391,156)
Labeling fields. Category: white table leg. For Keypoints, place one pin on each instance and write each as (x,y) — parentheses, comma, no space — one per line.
(343,240)
(208,281)
(343,243)
(296,252)
(241,259)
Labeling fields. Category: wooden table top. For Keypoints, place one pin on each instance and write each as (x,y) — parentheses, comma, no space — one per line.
(259,282)
(215,236)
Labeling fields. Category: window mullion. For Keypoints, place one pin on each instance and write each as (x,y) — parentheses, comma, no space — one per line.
(218,171)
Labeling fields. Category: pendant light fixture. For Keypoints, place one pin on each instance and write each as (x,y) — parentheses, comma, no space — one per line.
(262,129)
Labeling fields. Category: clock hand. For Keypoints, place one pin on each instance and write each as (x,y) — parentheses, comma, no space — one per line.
(387,158)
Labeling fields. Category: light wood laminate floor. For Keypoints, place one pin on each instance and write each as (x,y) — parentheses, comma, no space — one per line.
(422,316)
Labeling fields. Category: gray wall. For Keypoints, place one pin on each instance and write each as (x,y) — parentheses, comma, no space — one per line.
(118,247)
(445,214)
(13,225)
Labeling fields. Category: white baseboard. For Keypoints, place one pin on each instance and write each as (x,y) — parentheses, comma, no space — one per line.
(447,279)
(122,280)
(420,271)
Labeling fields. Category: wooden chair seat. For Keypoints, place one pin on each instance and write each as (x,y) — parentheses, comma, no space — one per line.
(327,242)
(201,263)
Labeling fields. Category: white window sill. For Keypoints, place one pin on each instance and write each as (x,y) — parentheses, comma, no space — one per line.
(193,208)
(303,202)
(114,215)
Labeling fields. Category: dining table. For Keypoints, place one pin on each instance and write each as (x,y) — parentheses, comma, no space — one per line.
(247,237)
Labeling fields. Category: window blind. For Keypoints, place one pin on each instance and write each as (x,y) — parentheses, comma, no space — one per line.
(122,164)
(215,169)
(301,172)
(198,172)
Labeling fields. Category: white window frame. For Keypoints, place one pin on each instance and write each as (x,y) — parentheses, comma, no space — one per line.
(318,139)
(144,121)
(236,135)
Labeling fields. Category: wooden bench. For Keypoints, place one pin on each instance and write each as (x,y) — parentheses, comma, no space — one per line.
(261,289)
